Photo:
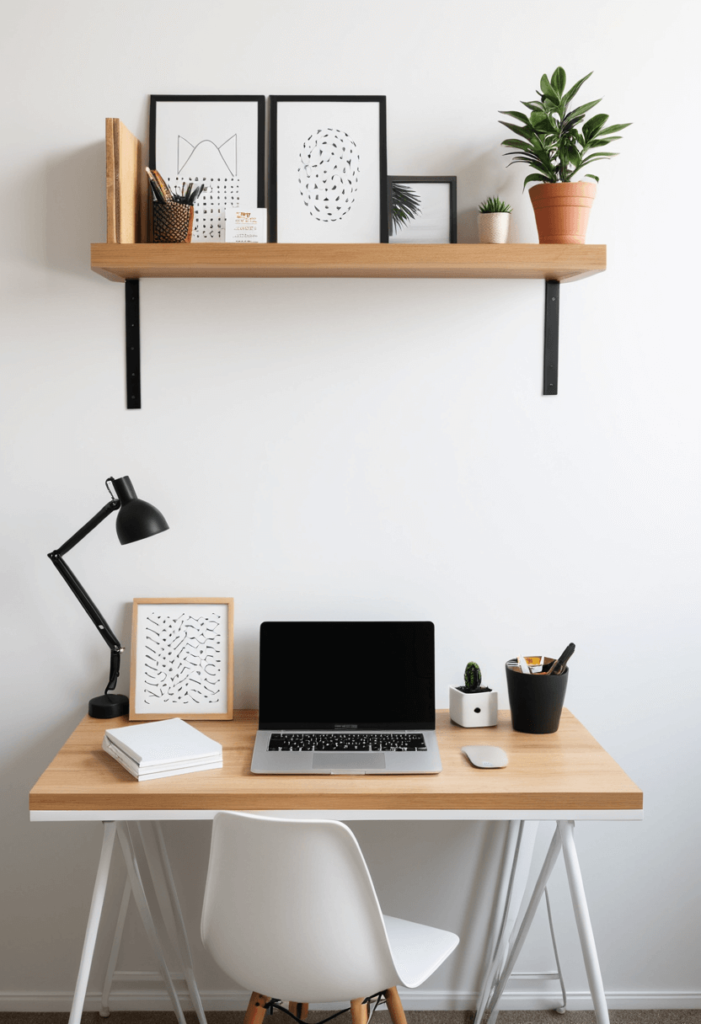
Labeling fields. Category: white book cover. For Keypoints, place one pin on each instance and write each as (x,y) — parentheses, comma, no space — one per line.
(164,744)
(158,772)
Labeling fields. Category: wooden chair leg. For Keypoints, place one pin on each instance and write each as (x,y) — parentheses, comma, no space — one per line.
(256,1009)
(394,1005)
(359,1012)
(300,1010)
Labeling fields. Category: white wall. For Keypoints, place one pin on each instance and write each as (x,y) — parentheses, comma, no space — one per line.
(365,449)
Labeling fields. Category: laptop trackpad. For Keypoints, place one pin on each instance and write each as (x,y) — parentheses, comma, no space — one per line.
(347,761)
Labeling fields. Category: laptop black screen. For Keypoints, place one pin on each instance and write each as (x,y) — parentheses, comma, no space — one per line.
(364,675)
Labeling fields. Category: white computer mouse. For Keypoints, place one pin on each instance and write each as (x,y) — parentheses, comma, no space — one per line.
(486,757)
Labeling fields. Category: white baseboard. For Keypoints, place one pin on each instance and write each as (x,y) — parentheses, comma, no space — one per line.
(135,999)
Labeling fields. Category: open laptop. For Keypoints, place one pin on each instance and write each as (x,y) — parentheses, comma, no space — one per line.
(346,698)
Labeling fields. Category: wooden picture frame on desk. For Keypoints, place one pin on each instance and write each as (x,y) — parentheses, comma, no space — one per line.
(182,658)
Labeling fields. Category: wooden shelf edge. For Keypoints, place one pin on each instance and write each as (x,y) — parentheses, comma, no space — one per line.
(564,263)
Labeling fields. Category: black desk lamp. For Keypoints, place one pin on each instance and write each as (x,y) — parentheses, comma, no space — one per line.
(136,520)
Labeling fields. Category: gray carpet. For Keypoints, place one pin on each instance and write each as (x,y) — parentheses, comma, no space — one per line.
(413,1017)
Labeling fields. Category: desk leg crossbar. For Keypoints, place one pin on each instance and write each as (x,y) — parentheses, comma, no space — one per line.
(504,948)
(169,905)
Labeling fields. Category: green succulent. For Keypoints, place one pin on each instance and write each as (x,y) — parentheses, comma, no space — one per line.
(555,141)
(494,205)
(472,677)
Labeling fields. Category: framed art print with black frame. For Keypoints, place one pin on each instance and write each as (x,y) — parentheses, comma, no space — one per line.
(328,167)
(218,141)
(422,210)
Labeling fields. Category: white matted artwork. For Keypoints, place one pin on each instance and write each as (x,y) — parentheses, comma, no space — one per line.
(182,658)
(328,160)
(435,220)
(218,141)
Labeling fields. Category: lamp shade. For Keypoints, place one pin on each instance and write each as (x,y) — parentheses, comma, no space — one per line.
(136,519)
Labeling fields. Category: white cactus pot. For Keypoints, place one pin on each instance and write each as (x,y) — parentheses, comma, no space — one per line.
(493,227)
(473,710)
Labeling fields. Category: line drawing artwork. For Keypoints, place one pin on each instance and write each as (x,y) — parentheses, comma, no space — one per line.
(184,662)
(227,151)
(328,174)
(217,167)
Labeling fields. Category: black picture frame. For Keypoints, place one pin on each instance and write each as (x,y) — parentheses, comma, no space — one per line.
(443,179)
(258,101)
(275,101)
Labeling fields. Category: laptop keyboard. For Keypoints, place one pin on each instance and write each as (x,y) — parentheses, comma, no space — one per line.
(356,741)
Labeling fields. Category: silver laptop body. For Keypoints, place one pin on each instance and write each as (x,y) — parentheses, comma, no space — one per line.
(346,698)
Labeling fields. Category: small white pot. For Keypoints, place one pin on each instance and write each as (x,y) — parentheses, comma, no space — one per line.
(473,710)
(493,227)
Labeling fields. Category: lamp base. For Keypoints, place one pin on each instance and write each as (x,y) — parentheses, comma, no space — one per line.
(109,705)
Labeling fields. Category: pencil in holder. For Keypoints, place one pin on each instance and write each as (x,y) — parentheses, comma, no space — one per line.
(172,222)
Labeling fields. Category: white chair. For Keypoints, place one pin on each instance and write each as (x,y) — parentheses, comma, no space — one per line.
(290,910)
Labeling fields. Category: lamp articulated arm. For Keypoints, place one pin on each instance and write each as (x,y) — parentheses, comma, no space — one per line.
(82,595)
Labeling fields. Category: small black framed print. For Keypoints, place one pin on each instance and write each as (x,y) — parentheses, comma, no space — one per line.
(328,169)
(218,141)
(422,210)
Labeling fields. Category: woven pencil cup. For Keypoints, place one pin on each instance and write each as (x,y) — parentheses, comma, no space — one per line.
(171,222)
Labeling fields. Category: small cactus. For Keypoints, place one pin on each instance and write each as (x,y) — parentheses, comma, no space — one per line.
(473,676)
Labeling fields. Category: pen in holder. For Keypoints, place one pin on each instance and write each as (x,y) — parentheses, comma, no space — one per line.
(173,212)
(536,700)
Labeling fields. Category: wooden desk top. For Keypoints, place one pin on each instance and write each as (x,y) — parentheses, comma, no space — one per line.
(566,770)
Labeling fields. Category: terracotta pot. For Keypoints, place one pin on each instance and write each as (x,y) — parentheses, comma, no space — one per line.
(493,227)
(562,211)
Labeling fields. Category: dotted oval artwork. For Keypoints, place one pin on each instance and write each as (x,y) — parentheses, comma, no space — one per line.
(328,174)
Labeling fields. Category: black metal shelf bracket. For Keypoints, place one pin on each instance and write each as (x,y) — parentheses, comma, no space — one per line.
(552,337)
(133,337)
(133,340)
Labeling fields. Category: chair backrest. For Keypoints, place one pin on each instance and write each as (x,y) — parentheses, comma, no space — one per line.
(290,910)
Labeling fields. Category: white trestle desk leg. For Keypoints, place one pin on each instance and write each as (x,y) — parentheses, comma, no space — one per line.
(519,853)
(558,1009)
(114,952)
(147,920)
(167,895)
(546,870)
(98,899)
(501,912)
(581,914)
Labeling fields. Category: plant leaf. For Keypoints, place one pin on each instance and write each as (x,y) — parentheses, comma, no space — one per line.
(514,113)
(536,177)
(592,176)
(593,126)
(547,89)
(615,128)
(558,80)
(583,109)
(519,144)
(517,129)
(569,96)
(531,104)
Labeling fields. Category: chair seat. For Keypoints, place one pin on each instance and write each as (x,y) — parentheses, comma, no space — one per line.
(417,949)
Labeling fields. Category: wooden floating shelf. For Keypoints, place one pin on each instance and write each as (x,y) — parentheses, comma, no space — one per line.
(123,262)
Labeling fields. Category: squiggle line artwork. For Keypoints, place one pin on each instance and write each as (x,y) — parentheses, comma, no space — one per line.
(183,660)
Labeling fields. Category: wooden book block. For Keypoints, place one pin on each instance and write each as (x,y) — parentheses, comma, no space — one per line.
(124,183)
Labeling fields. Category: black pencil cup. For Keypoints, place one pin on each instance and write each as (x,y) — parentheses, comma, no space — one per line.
(536,701)
(171,222)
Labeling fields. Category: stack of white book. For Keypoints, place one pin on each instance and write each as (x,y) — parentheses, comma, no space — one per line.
(157,749)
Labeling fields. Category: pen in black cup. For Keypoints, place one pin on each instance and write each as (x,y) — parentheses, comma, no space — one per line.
(558,666)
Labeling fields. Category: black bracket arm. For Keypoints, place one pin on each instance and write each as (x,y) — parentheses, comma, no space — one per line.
(552,336)
(131,296)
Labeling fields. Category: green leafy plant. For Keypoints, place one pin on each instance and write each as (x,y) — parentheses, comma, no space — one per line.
(555,141)
(494,205)
(406,205)
(473,679)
